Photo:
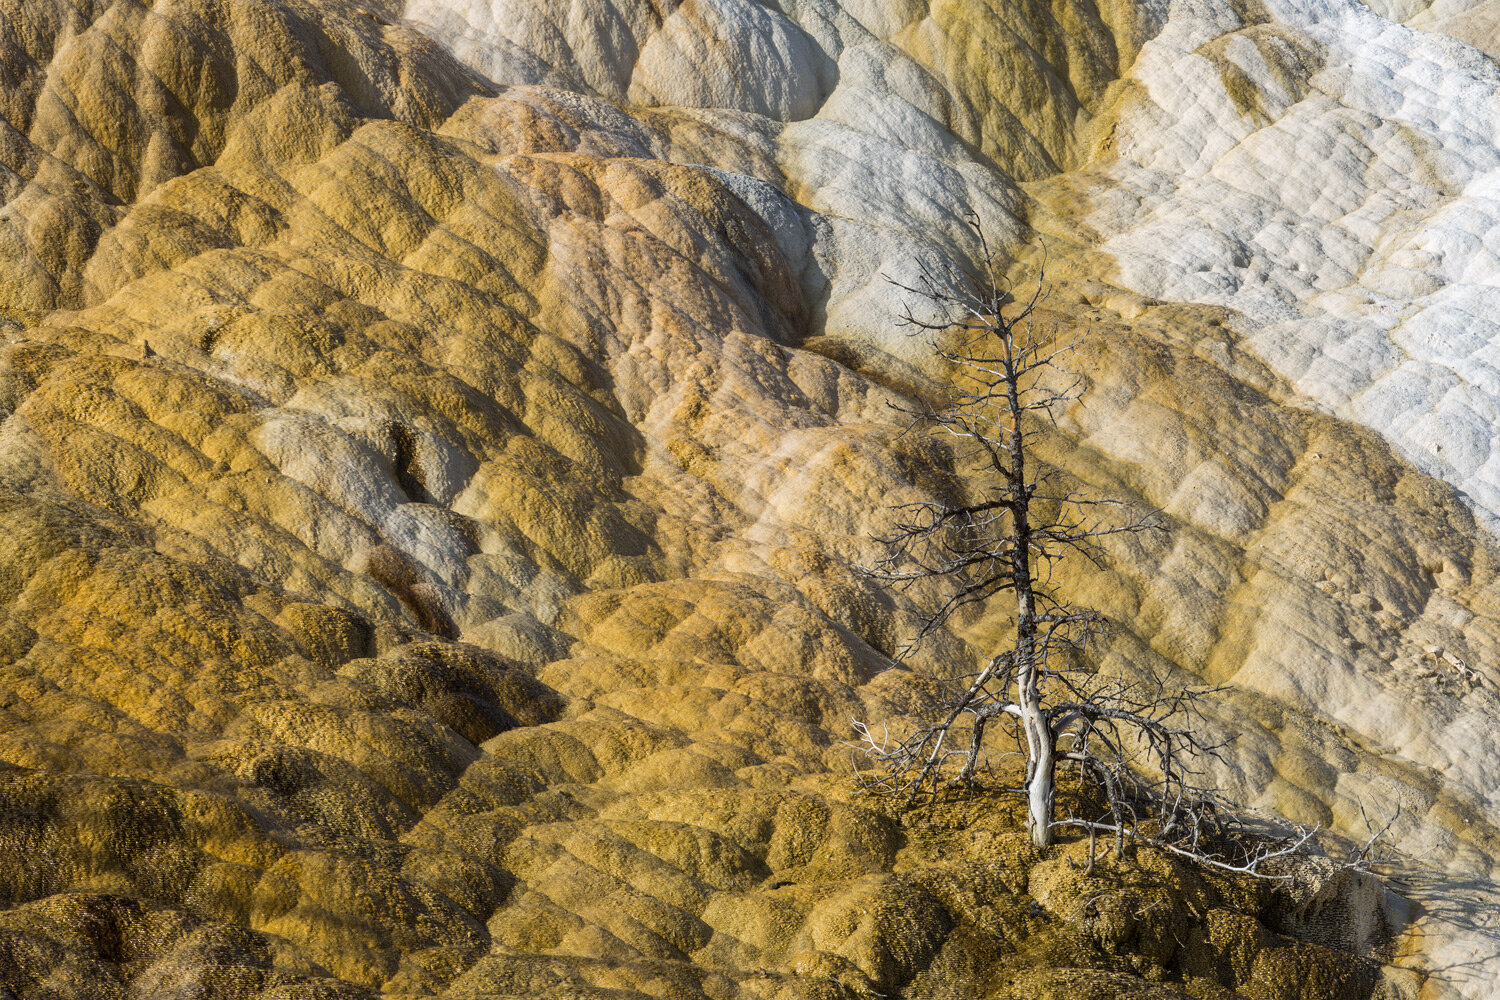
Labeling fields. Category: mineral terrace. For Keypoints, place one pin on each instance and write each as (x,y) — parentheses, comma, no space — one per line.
(439,440)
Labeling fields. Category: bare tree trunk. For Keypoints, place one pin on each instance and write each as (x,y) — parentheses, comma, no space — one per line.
(987,541)
(1041,753)
(1039,787)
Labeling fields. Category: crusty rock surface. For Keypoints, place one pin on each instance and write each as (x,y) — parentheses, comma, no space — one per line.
(438,442)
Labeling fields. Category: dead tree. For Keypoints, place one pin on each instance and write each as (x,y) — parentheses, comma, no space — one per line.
(1139,745)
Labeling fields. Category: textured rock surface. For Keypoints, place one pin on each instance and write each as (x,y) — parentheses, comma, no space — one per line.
(1333,177)
(437,441)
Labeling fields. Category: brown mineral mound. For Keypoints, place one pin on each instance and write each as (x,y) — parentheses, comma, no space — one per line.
(432,508)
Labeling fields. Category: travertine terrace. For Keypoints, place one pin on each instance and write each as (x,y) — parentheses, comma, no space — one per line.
(438,441)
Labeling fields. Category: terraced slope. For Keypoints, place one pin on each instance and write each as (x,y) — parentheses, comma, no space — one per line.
(437,444)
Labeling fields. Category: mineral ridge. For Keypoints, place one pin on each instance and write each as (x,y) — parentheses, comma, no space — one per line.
(438,442)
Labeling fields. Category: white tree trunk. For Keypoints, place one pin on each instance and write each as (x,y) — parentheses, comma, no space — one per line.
(1040,751)
(1041,761)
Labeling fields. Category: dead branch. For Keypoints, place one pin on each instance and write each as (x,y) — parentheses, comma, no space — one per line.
(1139,746)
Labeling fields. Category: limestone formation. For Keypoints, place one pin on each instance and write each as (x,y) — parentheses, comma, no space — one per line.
(438,439)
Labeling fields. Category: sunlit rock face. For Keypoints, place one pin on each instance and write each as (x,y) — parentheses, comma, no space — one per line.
(439,443)
(1331,176)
